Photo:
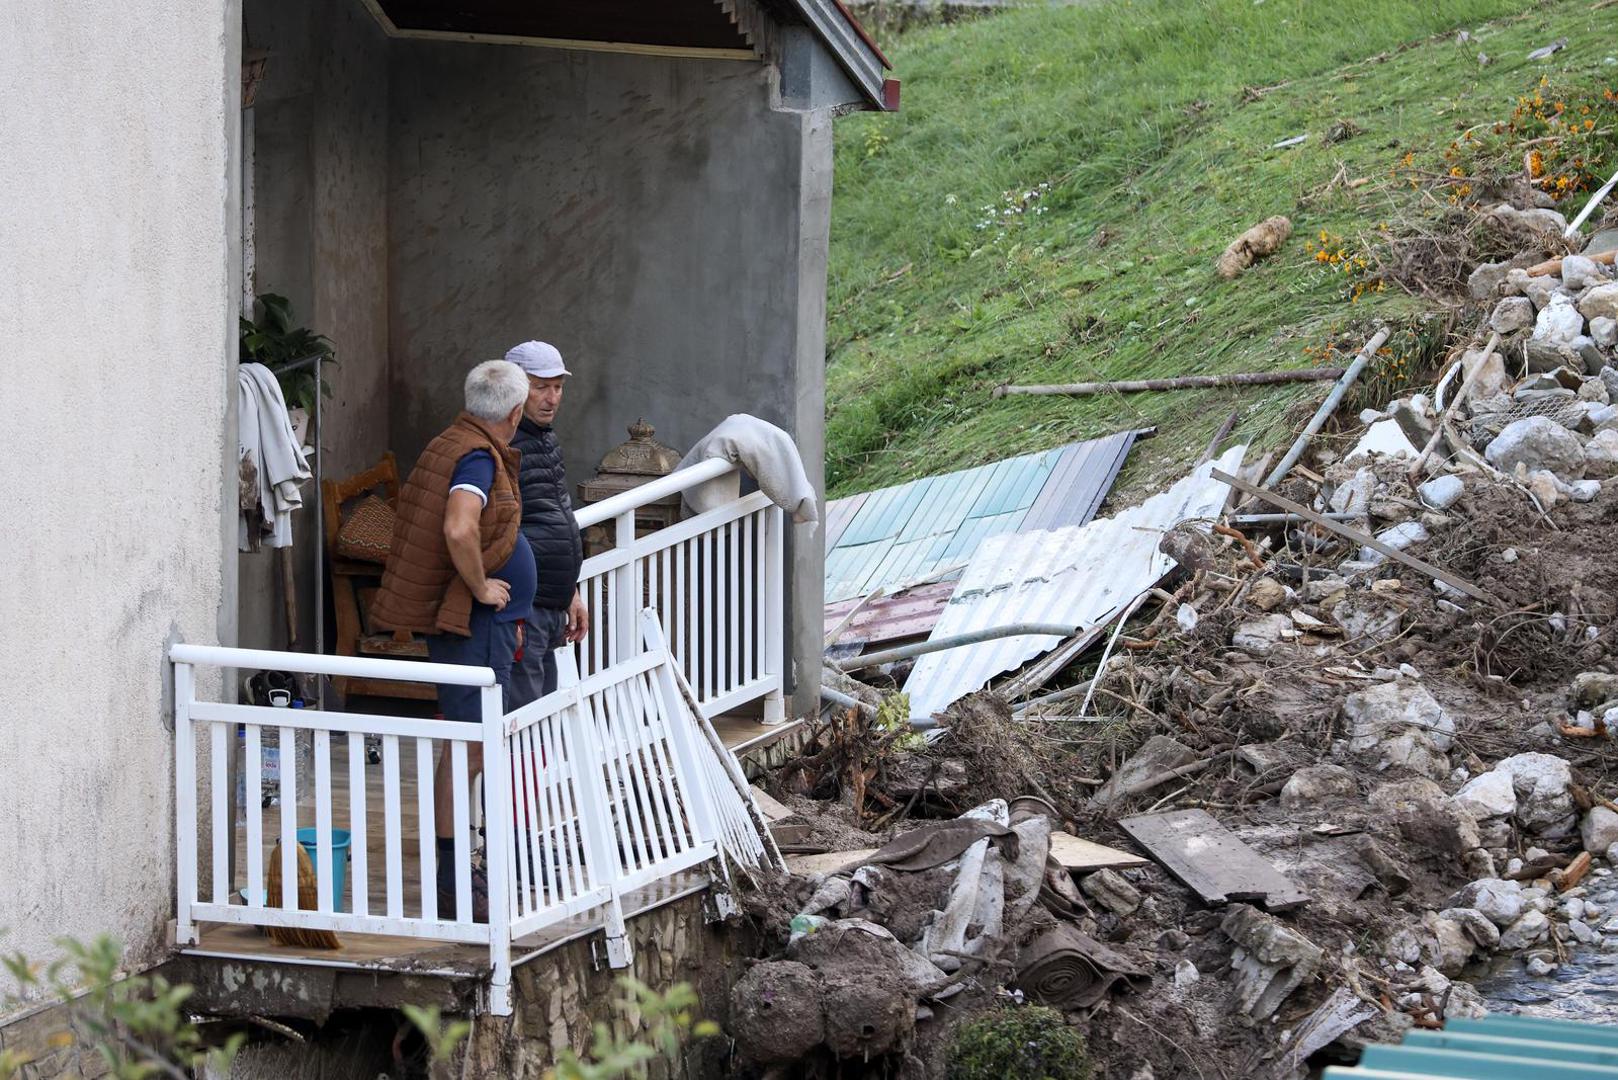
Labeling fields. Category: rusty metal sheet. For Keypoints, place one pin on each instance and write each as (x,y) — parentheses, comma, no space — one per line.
(1211,860)
(911,613)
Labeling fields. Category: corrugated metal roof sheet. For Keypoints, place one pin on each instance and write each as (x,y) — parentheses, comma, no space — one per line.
(899,534)
(1490,1047)
(1078,575)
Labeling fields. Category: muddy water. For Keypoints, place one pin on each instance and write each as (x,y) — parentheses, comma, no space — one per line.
(1585,988)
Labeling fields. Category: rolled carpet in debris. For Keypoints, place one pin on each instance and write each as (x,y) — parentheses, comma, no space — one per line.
(1071,971)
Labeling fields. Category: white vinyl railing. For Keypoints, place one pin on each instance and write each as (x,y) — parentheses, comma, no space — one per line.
(613,783)
(716,581)
(608,786)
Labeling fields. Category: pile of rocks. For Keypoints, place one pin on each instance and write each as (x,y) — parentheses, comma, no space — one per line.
(1556,429)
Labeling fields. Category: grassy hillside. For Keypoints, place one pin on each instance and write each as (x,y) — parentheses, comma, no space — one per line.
(1048,207)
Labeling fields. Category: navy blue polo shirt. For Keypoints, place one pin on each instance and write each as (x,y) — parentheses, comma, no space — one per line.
(475,473)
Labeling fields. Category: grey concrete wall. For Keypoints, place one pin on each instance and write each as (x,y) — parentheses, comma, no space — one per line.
(640,213)
(321,230)
(653,218)
(117,338)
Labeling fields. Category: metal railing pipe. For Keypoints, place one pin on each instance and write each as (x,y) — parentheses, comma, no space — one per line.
(1327,407)
(955,641)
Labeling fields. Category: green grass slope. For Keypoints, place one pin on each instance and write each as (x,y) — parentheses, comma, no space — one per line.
(1049,204)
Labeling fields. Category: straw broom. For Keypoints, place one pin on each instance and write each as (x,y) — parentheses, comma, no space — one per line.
(308,900)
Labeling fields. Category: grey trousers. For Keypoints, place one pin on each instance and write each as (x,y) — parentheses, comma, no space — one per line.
(534,675)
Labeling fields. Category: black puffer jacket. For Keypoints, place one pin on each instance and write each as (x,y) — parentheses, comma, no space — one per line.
(547,515)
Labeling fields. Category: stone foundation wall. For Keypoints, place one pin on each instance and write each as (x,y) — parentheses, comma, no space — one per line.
(46,1042)
(560,996)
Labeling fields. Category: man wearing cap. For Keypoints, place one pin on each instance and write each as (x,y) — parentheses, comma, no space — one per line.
(559,616)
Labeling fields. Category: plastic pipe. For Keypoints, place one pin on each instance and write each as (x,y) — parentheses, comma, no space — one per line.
(955,641)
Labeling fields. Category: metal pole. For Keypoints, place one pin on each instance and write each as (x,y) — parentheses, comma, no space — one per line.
(837,697)
(1327,407)
(320,541)
(955,641)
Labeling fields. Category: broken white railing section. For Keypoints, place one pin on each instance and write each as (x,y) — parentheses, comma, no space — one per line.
(1078,576)
(611,785)
(717,582)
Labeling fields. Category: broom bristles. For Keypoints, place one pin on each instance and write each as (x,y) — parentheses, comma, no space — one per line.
(308,900)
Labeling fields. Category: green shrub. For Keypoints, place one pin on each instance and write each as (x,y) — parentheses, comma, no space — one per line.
(1029,1042)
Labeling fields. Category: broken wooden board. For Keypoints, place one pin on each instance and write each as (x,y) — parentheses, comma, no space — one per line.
(828,863)
(772,808)
(1211,860)
(1081,856)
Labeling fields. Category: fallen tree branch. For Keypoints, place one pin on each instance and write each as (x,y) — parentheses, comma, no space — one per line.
(1554,266)
(1361,538)
(1183,382)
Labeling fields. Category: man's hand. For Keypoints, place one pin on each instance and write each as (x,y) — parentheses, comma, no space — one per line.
(493,592)
(578,619)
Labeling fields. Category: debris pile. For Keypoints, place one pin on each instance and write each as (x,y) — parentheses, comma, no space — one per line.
(1333,746)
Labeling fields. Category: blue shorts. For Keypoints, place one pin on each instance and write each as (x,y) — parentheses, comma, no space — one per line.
(491,644)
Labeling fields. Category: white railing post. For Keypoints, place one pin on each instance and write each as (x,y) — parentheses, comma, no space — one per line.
(497,854)
(185,806)
(601,848)
(625,592)
(772,613)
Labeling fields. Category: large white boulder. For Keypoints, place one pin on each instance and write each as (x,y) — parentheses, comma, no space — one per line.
(1391,708)
(1544,798)
(1491,794)
(1537,443)
(1559,323)
(1579,272)
(1599,830)
(1600,302)
(1500,901)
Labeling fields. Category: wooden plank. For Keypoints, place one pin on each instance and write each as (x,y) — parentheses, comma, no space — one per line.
(771,807)
(1081,856)
(828,862)
(1211,860)
(1349,533)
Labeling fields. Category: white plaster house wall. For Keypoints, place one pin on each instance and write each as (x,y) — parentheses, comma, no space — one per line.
(117,341)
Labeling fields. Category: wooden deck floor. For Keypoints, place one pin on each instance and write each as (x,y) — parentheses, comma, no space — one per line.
(741,734)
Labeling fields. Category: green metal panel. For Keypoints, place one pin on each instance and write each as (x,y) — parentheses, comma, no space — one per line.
(1343,1072)
(1537,1027)
(1513,1046)
(1468,1065)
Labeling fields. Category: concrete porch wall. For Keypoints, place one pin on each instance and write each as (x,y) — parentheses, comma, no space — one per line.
(654,218)
(320,135)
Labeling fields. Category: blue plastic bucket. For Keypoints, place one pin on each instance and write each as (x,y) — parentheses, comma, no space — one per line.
(307,839)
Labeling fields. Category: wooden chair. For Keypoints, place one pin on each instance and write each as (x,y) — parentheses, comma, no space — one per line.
(354,583)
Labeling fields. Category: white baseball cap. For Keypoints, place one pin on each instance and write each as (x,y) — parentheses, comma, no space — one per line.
(538,359)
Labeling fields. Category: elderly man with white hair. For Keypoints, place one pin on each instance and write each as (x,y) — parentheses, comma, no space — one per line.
(460,572)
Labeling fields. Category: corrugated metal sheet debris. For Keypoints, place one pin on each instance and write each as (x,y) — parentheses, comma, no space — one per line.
(904,533)
(1491,1047)
(1075,575)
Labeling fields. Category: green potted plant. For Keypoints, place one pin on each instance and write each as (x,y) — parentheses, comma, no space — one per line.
(276,339)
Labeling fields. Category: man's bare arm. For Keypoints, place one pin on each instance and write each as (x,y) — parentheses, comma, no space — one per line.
(461,534)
